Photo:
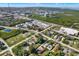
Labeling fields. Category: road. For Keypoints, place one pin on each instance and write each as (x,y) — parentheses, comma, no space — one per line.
(61,43)
(8,48)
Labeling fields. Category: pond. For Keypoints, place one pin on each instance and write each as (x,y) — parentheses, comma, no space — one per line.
(7,30)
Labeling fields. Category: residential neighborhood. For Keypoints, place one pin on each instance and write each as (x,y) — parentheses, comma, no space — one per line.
(39,31)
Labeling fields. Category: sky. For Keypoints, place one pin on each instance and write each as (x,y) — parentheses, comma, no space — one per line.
(39,4)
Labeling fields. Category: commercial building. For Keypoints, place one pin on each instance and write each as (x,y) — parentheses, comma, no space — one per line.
(68,31)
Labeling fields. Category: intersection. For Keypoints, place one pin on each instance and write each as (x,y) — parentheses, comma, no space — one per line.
(10,48)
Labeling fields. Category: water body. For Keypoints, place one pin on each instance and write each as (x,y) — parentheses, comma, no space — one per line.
(7,30)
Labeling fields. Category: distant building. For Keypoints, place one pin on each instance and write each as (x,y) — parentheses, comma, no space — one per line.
(40,24)
(1,28)
(68,31)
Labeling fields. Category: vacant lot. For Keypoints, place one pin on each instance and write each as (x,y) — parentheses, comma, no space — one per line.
(13,40)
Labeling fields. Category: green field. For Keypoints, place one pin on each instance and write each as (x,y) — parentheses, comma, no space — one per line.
(13,40)
(6,35)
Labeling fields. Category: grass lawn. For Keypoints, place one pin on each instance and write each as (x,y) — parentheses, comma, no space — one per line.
(6,35)
(13,40)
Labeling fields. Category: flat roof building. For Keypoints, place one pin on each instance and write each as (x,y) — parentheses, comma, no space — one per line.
(68,31)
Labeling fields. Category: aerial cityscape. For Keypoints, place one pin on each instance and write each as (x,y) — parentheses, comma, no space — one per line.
(39,29)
